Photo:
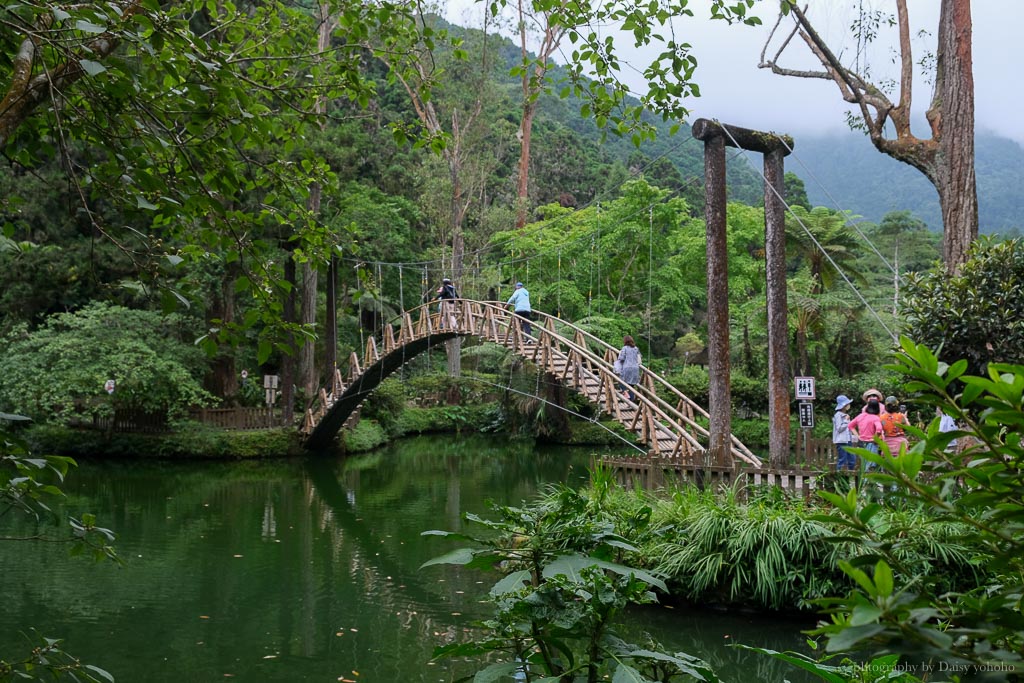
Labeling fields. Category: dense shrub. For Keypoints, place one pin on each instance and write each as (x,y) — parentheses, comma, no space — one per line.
(189,440)
(774,551)
(977,315)
(364,436)
(58,371)
(692,381)
(386,404)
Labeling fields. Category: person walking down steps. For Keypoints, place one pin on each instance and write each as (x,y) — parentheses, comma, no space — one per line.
(520,302)
(627,365)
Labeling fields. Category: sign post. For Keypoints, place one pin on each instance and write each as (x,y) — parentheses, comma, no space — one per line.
(270,387)
(806,412)
(804,389)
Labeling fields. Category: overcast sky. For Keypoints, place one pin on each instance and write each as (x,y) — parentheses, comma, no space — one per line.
(734,90)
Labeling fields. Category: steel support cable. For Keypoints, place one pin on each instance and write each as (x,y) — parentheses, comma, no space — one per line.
(476,253)
(380,318)
(362,341)
(562,408)
(650,283)
(813,238)
(838,207)
(596,200)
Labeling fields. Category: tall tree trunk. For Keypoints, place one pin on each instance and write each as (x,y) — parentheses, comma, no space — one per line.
(952,118)
(453,347)
(222,380)
(523,182)
(307,378)
(331,322)
(306,353)
(534,71)
(288,360)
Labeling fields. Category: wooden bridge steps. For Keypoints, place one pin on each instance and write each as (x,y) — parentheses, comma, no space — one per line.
(557,348)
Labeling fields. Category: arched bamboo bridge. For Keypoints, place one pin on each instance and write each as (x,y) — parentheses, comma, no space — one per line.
(662,417)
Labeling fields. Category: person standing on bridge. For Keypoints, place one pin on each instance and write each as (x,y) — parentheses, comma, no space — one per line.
(520,301)
(447,294)
(627,365)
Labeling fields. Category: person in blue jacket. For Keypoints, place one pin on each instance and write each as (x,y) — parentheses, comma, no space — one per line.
(520,301)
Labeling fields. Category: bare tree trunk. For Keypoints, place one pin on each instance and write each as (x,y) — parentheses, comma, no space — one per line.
(523,184)
(454,346)
(778,323)
(947,157)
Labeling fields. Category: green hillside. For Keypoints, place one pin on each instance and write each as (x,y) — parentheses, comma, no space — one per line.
(846,171)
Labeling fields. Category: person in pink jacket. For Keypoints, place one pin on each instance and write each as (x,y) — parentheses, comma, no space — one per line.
(866,427)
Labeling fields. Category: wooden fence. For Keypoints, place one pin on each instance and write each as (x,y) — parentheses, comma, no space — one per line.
(128,420)
(811,460)
(653,473)
(237,418)
(810,453)
(143,422)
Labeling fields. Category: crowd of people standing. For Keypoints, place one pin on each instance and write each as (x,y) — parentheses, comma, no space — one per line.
(880,423)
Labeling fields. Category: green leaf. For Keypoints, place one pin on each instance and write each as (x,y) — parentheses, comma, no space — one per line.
(865,614)
(89,27)
(627,674)
(496,672)
(572,565)
(825,672)
(849,637)
(99,672)
(92,68)
(859,576)
(510,583)
(883,579)
(457,556)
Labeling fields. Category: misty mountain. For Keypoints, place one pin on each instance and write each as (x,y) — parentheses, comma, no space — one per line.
(845,171)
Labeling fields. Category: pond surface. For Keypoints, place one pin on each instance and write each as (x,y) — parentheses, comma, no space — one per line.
(306,570)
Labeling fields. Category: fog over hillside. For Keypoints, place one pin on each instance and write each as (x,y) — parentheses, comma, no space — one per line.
(846,171)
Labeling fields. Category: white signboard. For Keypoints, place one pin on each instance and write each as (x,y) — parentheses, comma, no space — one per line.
(804,388)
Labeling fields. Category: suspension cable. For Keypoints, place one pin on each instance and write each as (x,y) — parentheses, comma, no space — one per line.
(811,235)
(650,283)
(836,204)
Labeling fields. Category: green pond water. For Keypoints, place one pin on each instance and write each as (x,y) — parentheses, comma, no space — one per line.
(307,570)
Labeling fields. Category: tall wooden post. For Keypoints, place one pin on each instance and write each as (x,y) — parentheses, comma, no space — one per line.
(719,401)
(778,336)
(716,137)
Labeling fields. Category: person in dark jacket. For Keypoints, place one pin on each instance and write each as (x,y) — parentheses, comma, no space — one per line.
(447,294)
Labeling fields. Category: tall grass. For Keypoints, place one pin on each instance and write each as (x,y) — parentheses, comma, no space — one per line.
(771,551)
(767,552)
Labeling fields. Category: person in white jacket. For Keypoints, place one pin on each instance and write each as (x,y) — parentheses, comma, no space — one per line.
(841,436)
